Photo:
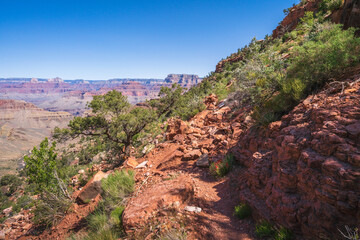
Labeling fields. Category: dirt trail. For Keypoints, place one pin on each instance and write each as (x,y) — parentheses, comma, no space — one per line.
(210,133)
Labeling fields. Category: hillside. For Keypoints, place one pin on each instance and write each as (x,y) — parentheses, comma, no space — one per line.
(265,147)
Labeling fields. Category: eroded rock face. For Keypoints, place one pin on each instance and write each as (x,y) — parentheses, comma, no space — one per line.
(293,18)
(348,14)
(304,171)
(174,193)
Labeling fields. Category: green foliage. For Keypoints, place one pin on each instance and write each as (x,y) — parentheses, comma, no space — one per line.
(242,211)
(117,186)
(116,216)
(50,208)
(222,167)
(113,123)
(329,52)
(4,202)
(284,234)
(175,102)
(41,165)
(13,182)
(264,229)
(330,5)
(97,221)
(23,202)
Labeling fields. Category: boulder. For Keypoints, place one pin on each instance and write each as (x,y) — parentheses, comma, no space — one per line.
(93,188)
(192,155)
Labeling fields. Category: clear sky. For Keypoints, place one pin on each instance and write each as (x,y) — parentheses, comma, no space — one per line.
(102,39)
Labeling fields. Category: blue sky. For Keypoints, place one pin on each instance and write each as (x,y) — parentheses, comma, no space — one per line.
(102,39)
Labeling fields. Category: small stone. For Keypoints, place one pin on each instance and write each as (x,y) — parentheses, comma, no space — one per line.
(192,209)
(81,171)
(203,161)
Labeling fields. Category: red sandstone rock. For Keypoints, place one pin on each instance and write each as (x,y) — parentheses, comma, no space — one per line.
(93,188)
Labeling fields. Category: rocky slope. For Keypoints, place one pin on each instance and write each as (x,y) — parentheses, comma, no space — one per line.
(22,126)
(303,172)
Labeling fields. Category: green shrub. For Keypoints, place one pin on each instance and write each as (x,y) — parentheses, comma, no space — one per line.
(13,182)
(264,229)
(117,186)
(116,216)
(284,234)
(330,5)
(4,202)
(97,221)
(50,208)
(41,165)
(104,234)
(23,202)
(242,211)
(222,167)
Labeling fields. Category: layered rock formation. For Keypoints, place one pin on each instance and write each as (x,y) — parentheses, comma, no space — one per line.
(304,171)
(22,126)
(56,94)
(185,80)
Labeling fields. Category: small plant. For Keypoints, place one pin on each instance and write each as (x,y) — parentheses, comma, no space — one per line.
(97,221)
(351,234)
(118,185)
(12,182)
(23,202)
(222,167)
(264,229)
(284,234)
(242,211)
(116,215)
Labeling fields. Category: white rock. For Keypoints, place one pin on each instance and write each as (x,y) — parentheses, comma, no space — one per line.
(81,171)
(142,165)
(192,209)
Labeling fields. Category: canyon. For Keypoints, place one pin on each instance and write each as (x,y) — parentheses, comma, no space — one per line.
(56,94)
(22,126)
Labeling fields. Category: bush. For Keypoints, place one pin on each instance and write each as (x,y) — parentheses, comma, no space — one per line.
(50,208)
(11,181)
(117,186)
(41,165)
(23,202)
(264,229)
(97,221)
(284,234)
(116,216)
(242,211)
(222,167)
